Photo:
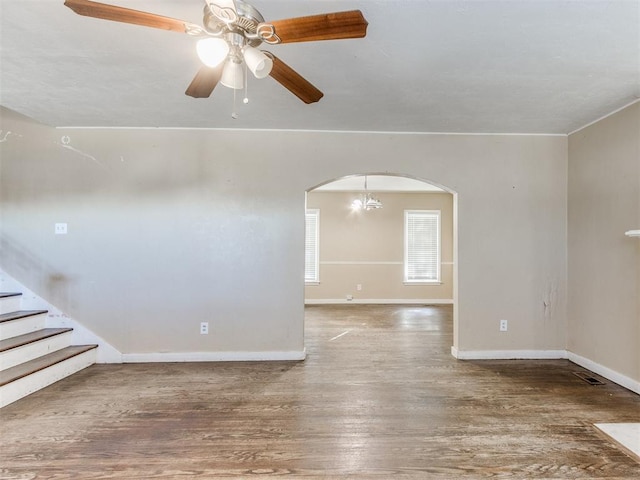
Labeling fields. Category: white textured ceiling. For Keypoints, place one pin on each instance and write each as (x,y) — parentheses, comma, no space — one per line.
(512,66)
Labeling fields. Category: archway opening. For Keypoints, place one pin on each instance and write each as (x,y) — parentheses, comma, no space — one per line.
(402,250)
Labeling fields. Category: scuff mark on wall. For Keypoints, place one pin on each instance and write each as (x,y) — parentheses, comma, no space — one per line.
(550,298)
(6,135)
(65,143)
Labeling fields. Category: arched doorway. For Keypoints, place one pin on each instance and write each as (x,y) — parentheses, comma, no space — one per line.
(365,255)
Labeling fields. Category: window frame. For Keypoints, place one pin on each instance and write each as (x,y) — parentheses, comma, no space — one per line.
(422,281)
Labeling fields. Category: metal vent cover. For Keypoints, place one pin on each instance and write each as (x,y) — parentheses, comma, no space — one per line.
(588,377)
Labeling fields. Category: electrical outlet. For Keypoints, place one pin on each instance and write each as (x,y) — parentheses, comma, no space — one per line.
(359,287)
(204,328)
(504,325)
(60,229)
(349,298)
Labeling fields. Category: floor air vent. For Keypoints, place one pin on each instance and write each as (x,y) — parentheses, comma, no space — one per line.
(589,378)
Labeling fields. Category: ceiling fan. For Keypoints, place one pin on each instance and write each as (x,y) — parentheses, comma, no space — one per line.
(230,32)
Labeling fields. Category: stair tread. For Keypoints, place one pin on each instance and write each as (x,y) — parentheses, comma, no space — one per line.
(6,317)
(31,337)
(19,371)
(9,294)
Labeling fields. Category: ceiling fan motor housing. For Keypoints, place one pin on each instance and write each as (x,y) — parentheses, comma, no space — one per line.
(246,24)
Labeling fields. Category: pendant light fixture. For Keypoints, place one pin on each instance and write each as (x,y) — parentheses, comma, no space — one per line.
(366,201)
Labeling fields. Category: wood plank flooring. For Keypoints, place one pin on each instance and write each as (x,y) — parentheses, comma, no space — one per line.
(379,396)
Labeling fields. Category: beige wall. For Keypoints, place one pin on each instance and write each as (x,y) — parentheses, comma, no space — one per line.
(604,264)
(367,248)
(168,228)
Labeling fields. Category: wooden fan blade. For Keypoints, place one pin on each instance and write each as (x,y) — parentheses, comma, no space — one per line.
(205,81)
(88,8)
(328,26)
(294,82)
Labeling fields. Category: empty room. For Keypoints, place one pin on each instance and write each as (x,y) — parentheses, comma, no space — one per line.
(323,239)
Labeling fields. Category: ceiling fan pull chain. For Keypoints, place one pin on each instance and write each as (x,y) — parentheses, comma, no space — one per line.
(234,113)
(245,100)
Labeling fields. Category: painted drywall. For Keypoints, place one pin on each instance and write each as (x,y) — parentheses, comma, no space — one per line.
(366,248)
(604,264)
(169,228)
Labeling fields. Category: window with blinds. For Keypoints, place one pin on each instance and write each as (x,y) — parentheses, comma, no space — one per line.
(421,246)
(312,246)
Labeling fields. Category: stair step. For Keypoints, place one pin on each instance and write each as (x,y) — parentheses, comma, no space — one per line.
(22,380)
(32,337)
(27,338)
(10,302)
(26,347)
(9,294)
(20,371)
(17,323)
(7,317)
(32,356)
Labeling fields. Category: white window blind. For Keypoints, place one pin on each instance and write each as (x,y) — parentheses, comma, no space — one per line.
(311,246)
(422,246)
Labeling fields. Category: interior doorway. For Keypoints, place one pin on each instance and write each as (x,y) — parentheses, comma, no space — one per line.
(359,255)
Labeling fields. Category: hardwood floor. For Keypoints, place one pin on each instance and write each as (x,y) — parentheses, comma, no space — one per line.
(379,396)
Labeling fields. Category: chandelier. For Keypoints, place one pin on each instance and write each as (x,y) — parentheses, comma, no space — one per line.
(366,201)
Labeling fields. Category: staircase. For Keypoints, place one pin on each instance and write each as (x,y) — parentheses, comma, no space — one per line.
(32,356)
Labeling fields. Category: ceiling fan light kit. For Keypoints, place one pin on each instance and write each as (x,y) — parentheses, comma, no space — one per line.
(231,31)
(259,64)
(212,51)
(233,74)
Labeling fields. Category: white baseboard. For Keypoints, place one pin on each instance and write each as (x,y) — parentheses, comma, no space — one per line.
(609,374)
(379,301)
(620,379)
(508,354)
(213,356)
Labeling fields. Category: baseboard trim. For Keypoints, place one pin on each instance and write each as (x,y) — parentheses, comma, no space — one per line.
(606,372)
(379,301)
(508,354)
(213,357)
(609,374)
